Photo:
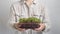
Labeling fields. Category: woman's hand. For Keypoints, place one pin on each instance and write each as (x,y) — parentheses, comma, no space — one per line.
(20,29)
(16,25)
(42,27)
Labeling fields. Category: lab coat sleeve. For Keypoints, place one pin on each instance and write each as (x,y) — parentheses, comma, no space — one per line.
(46,18)
(11,19)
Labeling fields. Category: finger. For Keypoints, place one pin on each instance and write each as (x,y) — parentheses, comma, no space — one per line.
(37,30)
(22,30)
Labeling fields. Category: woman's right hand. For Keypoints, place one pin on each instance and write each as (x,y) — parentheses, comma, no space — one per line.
(17,25)
(20,29)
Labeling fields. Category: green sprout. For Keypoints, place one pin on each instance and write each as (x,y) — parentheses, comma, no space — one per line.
(29,20)
(34,20)
(22,20)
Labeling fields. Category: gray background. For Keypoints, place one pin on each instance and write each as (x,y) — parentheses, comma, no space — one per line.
(54,11)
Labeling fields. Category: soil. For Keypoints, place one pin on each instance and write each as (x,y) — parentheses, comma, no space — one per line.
(29,25)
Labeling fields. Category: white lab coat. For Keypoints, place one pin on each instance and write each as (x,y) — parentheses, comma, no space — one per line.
(20,10)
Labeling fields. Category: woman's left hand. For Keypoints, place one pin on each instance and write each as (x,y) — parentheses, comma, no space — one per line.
(42,27)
